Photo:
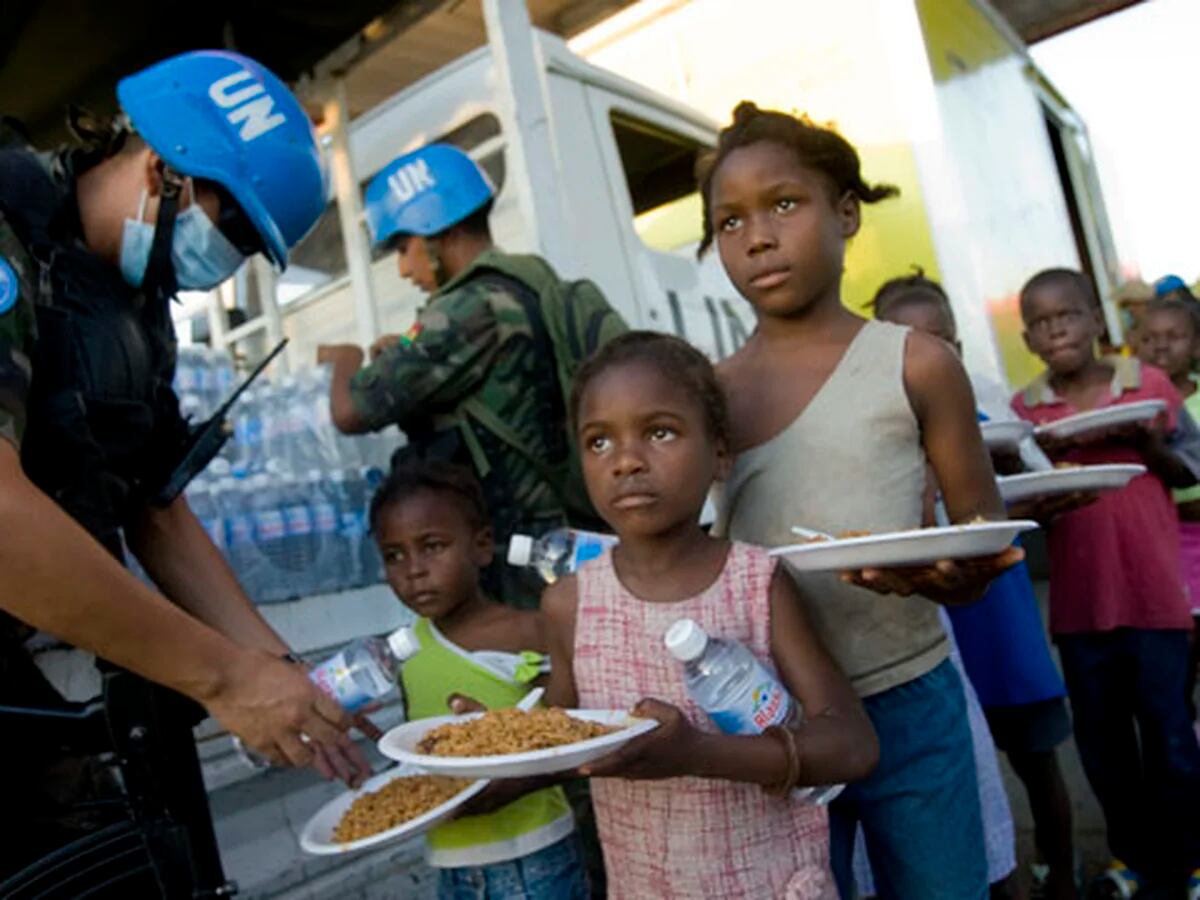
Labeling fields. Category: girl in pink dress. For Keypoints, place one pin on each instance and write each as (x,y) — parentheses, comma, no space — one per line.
(685,811)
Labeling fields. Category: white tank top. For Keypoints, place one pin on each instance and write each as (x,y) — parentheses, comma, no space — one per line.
(851,461)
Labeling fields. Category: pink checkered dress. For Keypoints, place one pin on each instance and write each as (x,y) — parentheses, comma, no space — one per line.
(689,837)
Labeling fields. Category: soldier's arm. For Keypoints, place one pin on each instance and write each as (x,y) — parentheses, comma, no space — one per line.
(440,361)
(179,556)
(58,579)
(344,361)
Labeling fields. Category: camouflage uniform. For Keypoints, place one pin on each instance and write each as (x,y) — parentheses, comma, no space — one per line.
(473,339)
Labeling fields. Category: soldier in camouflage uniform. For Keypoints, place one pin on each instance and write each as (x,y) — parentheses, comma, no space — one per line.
(473,339)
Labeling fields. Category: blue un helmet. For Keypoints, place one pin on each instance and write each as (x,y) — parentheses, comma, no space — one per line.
(425,192)
(223,117)
(1169,284)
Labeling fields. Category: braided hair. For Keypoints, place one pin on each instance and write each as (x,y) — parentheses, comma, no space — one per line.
(816,147)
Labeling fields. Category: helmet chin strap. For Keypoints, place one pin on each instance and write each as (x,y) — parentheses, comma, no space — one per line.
(159,283)
(436,266)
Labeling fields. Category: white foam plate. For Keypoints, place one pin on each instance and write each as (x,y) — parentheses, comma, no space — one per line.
(1006,434)
(1081,479)
(904,548)
(1109,417)
(401,744)
(317,836)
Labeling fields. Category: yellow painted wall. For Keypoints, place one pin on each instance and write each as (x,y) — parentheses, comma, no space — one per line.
(1014,220)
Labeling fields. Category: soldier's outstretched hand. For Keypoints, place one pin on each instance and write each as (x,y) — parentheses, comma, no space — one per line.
(275,710)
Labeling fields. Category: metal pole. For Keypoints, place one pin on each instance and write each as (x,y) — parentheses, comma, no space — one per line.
(217,321)
(349,204)
(264,276)
(521,79)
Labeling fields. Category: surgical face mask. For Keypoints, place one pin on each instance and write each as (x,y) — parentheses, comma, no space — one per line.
(201,255)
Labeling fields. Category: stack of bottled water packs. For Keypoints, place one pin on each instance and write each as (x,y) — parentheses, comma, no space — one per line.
(286,501)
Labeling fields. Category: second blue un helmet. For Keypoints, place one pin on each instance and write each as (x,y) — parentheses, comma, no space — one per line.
(425,192)
(225,118)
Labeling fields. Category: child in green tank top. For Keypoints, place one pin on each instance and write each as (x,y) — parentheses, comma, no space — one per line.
(431,525)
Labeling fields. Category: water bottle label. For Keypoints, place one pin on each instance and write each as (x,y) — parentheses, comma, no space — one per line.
(333,677)
(268,525)
(325,518)
(253,431)
(354,525)
(589,547)
(769,705)
(298,520)
(241,530)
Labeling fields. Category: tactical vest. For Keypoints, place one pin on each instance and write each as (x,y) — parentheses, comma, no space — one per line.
(103,424)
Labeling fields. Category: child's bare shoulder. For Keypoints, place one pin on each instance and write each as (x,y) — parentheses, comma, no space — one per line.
(736,367)
(928,361)
(506,628)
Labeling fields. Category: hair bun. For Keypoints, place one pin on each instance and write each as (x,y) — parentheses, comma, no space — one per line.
(745,111)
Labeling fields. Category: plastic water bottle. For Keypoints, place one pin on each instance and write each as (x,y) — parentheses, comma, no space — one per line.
(187,371)
(559,552)
(206,371)
(300,552)
(737,692)
(201,498)
(223,374)
(366,669)
(369,478)
(273,428)
(330,561)
(269,537)
(248,431)
(363,671)
(352,523)
(233,502)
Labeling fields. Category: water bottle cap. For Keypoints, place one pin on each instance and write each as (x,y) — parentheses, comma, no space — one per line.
(403,643)
(520,550)
(685,640)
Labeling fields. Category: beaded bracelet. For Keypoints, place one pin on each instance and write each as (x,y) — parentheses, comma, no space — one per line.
(787,738)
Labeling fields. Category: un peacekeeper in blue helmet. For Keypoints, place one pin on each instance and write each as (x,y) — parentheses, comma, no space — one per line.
(212,161)
(476,341)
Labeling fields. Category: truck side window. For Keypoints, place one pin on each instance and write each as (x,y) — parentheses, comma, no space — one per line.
(659,167)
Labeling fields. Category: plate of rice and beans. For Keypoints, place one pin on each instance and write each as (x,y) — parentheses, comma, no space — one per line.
(512,743)
(398,803)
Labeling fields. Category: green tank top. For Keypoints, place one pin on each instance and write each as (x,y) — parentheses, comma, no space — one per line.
(428,678)
(1186,495)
